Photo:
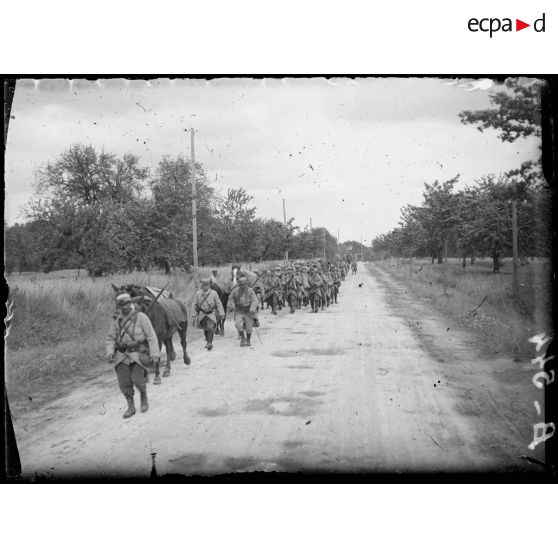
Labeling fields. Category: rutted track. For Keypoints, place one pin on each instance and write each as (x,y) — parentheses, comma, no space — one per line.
(351,389)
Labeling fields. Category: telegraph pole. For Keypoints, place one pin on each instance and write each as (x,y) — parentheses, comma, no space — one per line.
(286,235)
(515,285)
(361,246)
(324,242)
(310,223)
(194,206)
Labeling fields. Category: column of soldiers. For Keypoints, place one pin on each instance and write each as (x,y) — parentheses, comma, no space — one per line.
(315,284)
(132,343)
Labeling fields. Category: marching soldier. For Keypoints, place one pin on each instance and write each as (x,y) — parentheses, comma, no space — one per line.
(132,346)
(244,302)
(274,289)
(305,284)
(329,284)
(300,290)
(336,276)
(314,282)
(290,288)
(209,311)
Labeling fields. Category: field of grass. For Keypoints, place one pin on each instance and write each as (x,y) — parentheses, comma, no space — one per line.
(501,321)
(60,321)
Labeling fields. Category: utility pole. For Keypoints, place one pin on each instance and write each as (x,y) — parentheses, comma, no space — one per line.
(324,242)
(338,249)
(515,282)
(286,234)
(310,223)
(194,206)
(361,246)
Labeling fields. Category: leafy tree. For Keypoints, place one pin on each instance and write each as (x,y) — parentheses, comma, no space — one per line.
(171,223)
(515,110)
(74,198)
(237,230)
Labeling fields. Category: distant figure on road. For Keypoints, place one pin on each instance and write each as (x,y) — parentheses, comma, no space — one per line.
(132,346)
(244,302)
(354,267)
(209,311)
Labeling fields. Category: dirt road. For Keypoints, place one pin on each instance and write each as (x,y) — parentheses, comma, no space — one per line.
(359,387)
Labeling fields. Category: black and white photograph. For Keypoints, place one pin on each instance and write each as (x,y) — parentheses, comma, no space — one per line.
(235,276)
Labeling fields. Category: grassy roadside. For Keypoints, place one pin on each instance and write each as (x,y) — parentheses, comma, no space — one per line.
(504,323)
(60,320)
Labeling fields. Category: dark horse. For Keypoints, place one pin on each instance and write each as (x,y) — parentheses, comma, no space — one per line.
(220,287)
(167,316)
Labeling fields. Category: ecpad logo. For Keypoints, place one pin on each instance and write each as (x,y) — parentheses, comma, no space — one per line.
(493,25)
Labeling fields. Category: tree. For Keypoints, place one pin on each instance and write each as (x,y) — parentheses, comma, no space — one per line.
(74,198)
(170,225)
(237,229)
(438,216)
(515,110)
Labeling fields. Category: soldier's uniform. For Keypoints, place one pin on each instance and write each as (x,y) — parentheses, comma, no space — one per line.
(329,284)
(314,282)
(305,285)
(209,311)
(336,276)
(132,345)
(290,288)
(244,302)
(300,287)
(274,287)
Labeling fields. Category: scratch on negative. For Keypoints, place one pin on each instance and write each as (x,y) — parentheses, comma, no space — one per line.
(435,442)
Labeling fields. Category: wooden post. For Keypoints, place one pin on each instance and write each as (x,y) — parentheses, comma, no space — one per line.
(194,206)
(515,281)
(410,264)
(286,236)
(361,246)
(445,276)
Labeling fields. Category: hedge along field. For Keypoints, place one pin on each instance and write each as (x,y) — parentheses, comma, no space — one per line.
(504,323)
(60,321)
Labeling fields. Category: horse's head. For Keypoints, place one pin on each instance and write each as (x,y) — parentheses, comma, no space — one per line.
(140,301)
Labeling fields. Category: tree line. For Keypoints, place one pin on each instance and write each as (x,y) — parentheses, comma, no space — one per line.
(475,220)
(104,213)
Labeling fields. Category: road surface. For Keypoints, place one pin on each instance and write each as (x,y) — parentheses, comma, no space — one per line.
(376,383)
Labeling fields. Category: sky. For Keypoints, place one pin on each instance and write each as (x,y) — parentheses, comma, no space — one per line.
(345,153)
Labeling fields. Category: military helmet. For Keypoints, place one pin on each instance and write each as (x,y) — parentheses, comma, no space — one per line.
(123,298)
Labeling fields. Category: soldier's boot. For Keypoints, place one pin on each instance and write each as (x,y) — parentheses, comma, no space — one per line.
(242,339)
(210,340)
(273,310)
(291,306)
(131,407)
(248,335)
(144,403)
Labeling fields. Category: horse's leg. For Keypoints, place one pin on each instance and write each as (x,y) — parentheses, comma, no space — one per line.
(157,379)
(182,333)
(170,350)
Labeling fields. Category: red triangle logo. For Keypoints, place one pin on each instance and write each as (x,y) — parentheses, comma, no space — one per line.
(519,25)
